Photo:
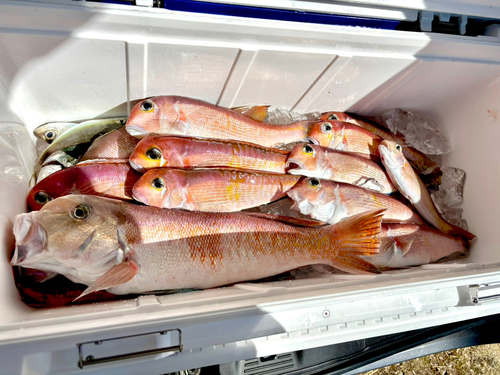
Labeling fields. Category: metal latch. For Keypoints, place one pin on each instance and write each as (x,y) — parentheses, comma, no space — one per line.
(87,351)
(480,293)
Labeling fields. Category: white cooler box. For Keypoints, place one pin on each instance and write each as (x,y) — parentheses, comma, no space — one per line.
(75,61)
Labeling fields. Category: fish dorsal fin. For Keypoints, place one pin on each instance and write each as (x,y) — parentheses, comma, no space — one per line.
(255,112)
(117,275)
(289,220)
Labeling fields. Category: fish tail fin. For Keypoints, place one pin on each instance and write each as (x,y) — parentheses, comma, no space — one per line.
(458,231)
(257,112)
(358,236)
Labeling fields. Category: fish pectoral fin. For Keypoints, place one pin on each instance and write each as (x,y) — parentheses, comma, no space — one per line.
(257,112)
(289,220)
(117,275)
(404,243)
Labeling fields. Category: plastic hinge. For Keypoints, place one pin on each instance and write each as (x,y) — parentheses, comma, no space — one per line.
(427,17)
(92,360)
(480,293)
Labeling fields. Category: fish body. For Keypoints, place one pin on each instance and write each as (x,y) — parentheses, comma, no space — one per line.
(117,144)
(344,136)
(316,161)
(210,190)
(49,132)
(182,152)
(419,161)
(111,179)
(177,115)
(82,133)
(411,186)
(124,248)
(332,201)
(406,245)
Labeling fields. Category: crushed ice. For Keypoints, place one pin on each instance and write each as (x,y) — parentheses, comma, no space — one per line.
(417,131)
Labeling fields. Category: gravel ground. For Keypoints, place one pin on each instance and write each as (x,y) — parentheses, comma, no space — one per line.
(475,360)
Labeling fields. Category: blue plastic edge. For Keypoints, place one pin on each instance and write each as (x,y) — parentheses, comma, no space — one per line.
(277,14)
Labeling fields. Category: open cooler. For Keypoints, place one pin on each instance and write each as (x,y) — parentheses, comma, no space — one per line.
(64,61)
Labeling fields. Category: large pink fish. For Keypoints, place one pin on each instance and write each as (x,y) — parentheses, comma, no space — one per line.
(125,248)
(211,190)
(158,151)
(177,115)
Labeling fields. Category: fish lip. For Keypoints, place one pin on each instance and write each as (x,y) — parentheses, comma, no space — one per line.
(137,167)
(30,239)
(136,131)
(291,161)
(138,196)
(313,141)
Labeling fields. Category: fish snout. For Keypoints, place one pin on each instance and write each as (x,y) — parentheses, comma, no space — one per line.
(136,131)
(30,238)
(137,167)
(313,140)
(140,197)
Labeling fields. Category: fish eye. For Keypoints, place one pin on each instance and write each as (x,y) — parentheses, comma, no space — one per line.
(153,153)
(81,212)
(398,147)
(147,105)
(158,183)
(49,136)
(308,149)
(314,182)
(333,117)
(41,197)
(326,128)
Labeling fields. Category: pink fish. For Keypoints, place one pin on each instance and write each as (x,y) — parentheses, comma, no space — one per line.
(177,115)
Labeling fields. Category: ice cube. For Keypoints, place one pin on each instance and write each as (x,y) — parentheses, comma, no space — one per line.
(282,116)
(453,183)
(451,189)
(281,208)
(418,132)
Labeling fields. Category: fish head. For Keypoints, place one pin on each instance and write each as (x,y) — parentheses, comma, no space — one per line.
(148,154)
(333,116)
(77,236)
(329,134)
(152,115)
(391,154)
(307,159)
(162,188)
(49,132)
(315,197)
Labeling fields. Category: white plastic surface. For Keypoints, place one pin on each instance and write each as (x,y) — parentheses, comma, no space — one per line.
(64,63)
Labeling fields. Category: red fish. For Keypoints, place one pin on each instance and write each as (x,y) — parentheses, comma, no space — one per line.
(109,179)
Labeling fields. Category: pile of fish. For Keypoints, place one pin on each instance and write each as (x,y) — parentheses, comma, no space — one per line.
(168,200)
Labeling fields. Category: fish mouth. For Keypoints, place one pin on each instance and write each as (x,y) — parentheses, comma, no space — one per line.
(294,166)
(138,196)
(137,167)
(136,131)
(388,158)
(30,239)
(313,141)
